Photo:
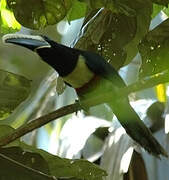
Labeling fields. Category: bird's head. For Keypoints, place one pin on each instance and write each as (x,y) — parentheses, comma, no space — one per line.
(63,59)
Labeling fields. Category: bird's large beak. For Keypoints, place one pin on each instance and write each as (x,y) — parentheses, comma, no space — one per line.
(28,41)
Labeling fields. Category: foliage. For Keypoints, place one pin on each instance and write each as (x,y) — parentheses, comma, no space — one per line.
(13,90)
(43,162)
(154,50)
(8,22)
(39,14)
(117,32)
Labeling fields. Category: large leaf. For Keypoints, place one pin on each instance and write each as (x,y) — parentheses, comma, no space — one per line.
(38,14)
(78,10)
(13,90)
(18,163)
(43,161)
(61,167)
(154,50)
(8,22)
(105,35)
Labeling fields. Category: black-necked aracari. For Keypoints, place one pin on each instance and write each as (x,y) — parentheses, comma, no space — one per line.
(89,74)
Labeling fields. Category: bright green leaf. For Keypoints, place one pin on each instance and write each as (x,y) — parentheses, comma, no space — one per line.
(158,8)
(78,10)
(7,19)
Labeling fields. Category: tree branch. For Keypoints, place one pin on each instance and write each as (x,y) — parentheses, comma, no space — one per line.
(37,123)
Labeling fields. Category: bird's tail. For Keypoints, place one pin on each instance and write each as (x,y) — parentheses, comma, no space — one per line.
(136,128)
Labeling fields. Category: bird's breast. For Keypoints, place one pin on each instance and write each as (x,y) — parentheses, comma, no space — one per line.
(81,74)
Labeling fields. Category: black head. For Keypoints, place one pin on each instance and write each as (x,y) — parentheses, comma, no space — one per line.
(63,59)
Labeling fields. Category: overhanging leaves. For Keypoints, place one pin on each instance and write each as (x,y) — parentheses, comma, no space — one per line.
(105,33)
(106,36)
(38,14)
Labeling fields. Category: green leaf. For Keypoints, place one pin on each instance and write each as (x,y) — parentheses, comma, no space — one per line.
(40,13)
(13,90)
(78,10)
(10,169)
(166,10)
(105,33)
(8,23)
(61,167)
(106,36)
(154,50)
(158,8)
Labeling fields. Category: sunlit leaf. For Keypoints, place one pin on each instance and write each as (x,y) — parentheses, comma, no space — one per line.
(166,10)
(13,90)
(38,14)
(7,19)
(78,10)
(158,8)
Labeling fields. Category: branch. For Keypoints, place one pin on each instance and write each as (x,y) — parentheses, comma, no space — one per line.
(37,123)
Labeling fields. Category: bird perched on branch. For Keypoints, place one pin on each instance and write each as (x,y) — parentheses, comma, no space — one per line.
(90,75)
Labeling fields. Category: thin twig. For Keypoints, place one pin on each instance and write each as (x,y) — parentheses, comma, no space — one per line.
(37,123)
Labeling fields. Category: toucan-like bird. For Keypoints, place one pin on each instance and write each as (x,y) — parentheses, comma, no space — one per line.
(90,74)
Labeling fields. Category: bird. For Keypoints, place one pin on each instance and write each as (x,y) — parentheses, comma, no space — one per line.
(90,75)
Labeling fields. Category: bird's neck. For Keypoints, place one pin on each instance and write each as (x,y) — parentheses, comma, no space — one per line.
(80,75)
